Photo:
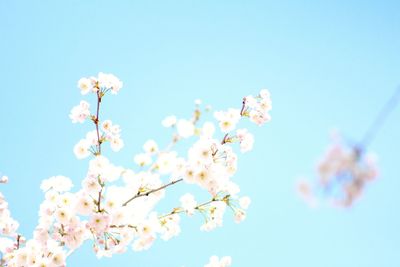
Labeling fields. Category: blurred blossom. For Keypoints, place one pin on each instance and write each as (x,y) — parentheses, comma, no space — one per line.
(342,175)
(217,262)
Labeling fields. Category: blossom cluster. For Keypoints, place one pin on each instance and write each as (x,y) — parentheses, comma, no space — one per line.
(10,239)
(114,207)
(8,226)
(102,83)
(216,262)
(257,108)
(3,179)
(343,172)
(106,131)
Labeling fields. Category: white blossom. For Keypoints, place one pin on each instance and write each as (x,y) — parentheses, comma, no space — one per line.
(81,149)
(58,183)
(188,203)
(142,159)
(115,215)
(80,112)
(86,85)
(216,262)
(150,147)
(4,179)
(169,121)
(185,128)
(227,119)
(246,140)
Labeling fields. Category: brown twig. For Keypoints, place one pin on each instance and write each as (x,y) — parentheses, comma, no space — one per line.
(96,122)
(198,207)
(98,152)
(99,200)
(243,106)
(145,194)
(18,241)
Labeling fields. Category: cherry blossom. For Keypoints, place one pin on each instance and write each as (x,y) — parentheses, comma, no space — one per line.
(150,147)
(80,112)
(343,172)
(246,140)
(169,121)
(217,262)
(114,207)
(81,149)
(86,85)
(185,128)
(58,183)
(4,179)
(188,203)
(227,119)
(257,108)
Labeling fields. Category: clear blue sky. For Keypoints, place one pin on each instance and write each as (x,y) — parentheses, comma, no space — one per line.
(328,64)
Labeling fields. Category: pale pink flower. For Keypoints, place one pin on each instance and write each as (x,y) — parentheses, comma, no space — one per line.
(227,119)
(81,149)
(109,81)
(185,128)
(99,223)
(4,179)
(150,147)
(246,140)
(116,144)
(58,183)
(142,159)
(188,203)
(80,113)
(169,121)
(170,226)
(216,262)
(244,202)
(86,85)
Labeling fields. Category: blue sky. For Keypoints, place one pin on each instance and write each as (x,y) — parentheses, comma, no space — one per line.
(328,64)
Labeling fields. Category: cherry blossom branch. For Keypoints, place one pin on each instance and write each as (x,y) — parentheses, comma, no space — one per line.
(142,194)
(196,118)
(176,138)
(380,118)
(96,122)
(198,207)
(113,227)
(180,210)
(98,153)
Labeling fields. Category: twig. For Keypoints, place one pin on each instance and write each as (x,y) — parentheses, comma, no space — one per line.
(96,122)
(139,194)
(243,106)
(380,118)
(198,207)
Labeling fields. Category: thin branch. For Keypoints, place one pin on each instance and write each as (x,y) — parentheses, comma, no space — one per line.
(96,122)
(198,207)
(145,194)
(176,211)
(98,152)
(380,118)
(18,241)
(243,107)
(99,200)
(223,142)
